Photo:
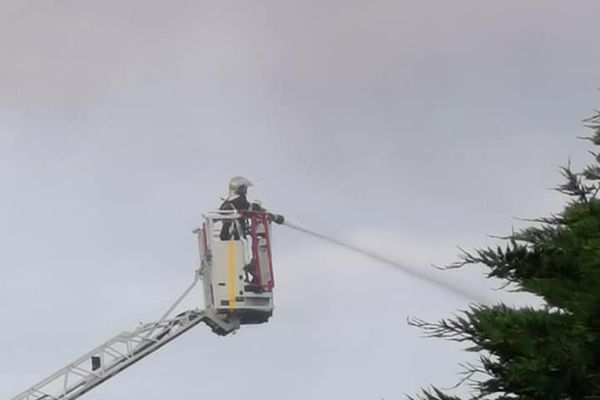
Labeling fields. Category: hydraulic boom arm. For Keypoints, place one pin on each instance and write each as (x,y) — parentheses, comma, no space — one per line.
(120,352)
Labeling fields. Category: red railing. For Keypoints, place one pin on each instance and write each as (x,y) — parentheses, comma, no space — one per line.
(262,219)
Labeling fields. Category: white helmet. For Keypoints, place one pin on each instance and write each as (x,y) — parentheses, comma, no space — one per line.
(239,185)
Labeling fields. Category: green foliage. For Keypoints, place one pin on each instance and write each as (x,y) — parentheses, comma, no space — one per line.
(549,353)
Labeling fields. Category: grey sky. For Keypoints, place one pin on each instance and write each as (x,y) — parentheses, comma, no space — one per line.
(407,126)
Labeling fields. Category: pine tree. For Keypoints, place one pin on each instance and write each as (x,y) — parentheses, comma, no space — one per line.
(548,352)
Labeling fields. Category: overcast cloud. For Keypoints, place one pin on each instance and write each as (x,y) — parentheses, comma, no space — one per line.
(408,127)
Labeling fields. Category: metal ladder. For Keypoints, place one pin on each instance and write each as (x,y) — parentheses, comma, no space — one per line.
(118,353)
(124,350)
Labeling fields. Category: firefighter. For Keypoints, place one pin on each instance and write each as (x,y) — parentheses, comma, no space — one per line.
(236,230)
(237,200)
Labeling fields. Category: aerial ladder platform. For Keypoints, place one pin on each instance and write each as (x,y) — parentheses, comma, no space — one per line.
(237,274)
(236,270)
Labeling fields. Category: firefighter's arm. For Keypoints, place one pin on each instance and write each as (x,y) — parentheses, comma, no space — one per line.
(257,206)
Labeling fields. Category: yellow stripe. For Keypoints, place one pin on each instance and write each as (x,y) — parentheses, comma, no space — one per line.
(231,259)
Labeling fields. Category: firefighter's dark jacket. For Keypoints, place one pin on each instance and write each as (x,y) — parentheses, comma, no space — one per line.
(241,203)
